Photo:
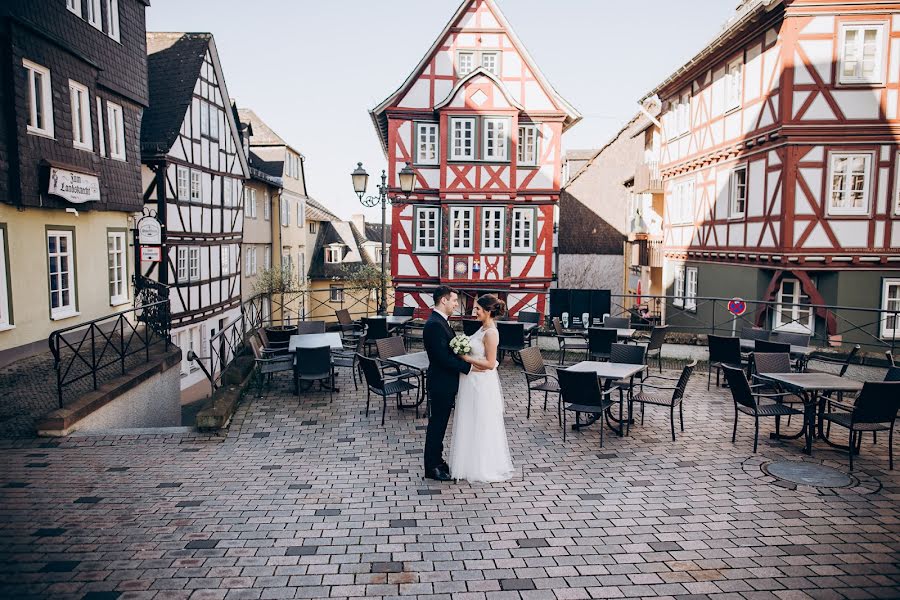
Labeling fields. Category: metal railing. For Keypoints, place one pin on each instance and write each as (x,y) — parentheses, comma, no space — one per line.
(98,350)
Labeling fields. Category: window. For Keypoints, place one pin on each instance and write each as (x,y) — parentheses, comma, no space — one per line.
(491,62)
(100,132)
(250,207)
(79,103)
(427,144)
(849,184)
(427,222)
(890,301)
(862,53)
(733,78)
(299,213)
(267,258)
(292,165)
(737,192)
(462,139)
(333,254)
(792,313)
(461,226)
(226,260)
(690,288)
(491,230)
(194,264)
(678,287)
(267,207)
(116,131)
(181,264)
(226,191)
(195,185)
(527,153)
(40,103)
(286,262)
(74,6)
(118,275)
(112,17)
(61,261)
(285,212)
(684,113)
(337,294)
(213,121)
(5,317)
(204,118)
(523,230)
(465,63)
(496,134)
(681,203)
(93,13)
(251,260)
(182,176)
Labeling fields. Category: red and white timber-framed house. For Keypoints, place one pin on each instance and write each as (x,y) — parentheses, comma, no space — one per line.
(482,128)
(781,166)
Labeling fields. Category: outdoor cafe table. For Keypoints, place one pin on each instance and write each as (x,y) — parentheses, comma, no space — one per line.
(810,387)
(608,372)
(796,351)
(526,326)
(417,361)
(315,340)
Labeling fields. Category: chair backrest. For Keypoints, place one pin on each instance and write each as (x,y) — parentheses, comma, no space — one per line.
(532,361)
(601,339)
(893,374)
(404,311)
(772,362)
(617,322)
(740,387)
(256,346)
(512,335)
(390,347)
(683,379)
(725,350)
(878,402)
(557,326)
(768,347)
(850,357)
(263,337)
(371,372)
(580,387)
(754,333)
(526,316)
(789,337)
(343,316)
(305,327)
(890,357)
(629,354)
(313,361)
(657,337)
(376,327)
(471,326)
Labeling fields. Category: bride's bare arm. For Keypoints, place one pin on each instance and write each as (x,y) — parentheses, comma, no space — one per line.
(489,362)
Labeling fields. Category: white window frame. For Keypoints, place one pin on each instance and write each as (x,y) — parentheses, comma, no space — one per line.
(462,230)
(112,19)
(690,289)
(227,189)
(313,227)
(204,118)
(890,332)
(118,267)
(336,294)
(250,260)
(100,133)
(80,106)
(285,207)
(735,187)
(734,88)
(62,311)
(196,186)
(333,254)
(496,55)
(427,221)
(181,264)
(251,202)
(460,72)
(5,321)
(495,139)
(428,153)
(793,302)
(267,206)
(678,287)
(493,221)
(225,260)
(683,114)
(116,122)
(94,16)
(213,121)
(74,6)
(46,99)
(517,245)
(867,183)
(300,215)
(877,76)
(461,138)
(183,182)
(267,258)
(681,203)
(526,157)
(193,263)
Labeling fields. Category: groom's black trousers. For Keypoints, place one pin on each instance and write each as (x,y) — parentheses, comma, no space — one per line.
(441,405)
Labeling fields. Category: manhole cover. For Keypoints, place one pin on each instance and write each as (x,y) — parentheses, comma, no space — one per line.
(807,473)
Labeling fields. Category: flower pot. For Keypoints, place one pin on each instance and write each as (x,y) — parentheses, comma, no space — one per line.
(280,333)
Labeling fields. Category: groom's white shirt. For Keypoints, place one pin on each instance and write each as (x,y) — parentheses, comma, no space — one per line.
(446,317)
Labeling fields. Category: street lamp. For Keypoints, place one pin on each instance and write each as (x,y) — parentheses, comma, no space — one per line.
(407,177)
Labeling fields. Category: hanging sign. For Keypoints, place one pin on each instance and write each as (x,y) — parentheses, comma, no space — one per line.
(737,306)
(77,188)
(151,254)
(149,231)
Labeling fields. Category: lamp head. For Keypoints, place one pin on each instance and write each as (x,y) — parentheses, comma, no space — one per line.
(360,180)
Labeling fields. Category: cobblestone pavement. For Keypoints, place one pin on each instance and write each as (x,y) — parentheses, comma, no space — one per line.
(312,499)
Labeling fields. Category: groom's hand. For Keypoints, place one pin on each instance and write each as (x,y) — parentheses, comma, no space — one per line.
(477,369)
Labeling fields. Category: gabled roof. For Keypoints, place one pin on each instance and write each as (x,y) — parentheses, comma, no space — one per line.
(380,120)
(263,135)
(597,153)
(336,232)
(317,212)
(373,232)
(480,71)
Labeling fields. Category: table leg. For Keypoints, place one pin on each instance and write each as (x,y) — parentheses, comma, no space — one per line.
(809,414)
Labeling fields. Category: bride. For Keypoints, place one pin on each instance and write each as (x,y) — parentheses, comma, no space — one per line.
(479,449)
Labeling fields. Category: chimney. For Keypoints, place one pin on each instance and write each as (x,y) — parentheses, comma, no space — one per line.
(359,221)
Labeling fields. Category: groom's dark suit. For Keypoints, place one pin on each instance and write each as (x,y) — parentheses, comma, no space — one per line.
(443,382)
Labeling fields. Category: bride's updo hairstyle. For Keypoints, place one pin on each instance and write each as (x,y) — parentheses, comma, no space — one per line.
(492,305)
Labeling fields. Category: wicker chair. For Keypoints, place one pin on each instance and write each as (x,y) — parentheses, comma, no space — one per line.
(389,348)
(617,322)
(722,351)
(313,364)
(767,347)
(376,383)
(746,401)
(567,341)
(376,329)
(537,378)
(525,316)
(580,392)
(875,409)
(349,327)
(307,327)
(653,349)
(754,333)
(268,362)
(660,397)
(404,311)
(471,326)
(348,358)
(600,341)
(512,340)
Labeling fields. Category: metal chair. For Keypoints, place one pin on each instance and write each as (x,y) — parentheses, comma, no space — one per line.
(389,348)
(745,401)
(653,349)
(307,327)
(376,329)
(347,358)
(617,322)
(767,347)
(789,337)
(413,332)
(537,378)
(376,383)
(313,364)
(828,360)
(567,341)
(404,311)
(268,362)
(875,409)
(279,348)
(664,399)
(772,362)
(628,354)
(722,351)
(580,392)
(600,341)
(525,316)
(471,326)
(349,327)
(512,340)
(754,333)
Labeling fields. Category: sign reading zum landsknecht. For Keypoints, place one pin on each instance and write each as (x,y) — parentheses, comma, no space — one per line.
(77,188)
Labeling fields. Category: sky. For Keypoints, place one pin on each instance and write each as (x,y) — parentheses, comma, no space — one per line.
(313,69)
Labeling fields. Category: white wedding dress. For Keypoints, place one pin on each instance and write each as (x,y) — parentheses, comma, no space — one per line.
(479,451)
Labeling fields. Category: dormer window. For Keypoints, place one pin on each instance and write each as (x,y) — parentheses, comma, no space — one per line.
(333,254)
(465,63)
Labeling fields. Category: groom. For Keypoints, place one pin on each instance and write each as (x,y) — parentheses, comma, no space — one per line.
(443,379)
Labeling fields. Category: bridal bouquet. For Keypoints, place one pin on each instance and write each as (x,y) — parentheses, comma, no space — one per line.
(460,345)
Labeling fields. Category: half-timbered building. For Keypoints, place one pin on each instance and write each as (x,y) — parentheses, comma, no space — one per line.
(481,126)
(781,166)
(194,169)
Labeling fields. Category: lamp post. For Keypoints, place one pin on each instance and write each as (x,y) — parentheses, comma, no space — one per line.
(360,178)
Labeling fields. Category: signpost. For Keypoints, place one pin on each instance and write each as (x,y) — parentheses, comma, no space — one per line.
(737,307)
